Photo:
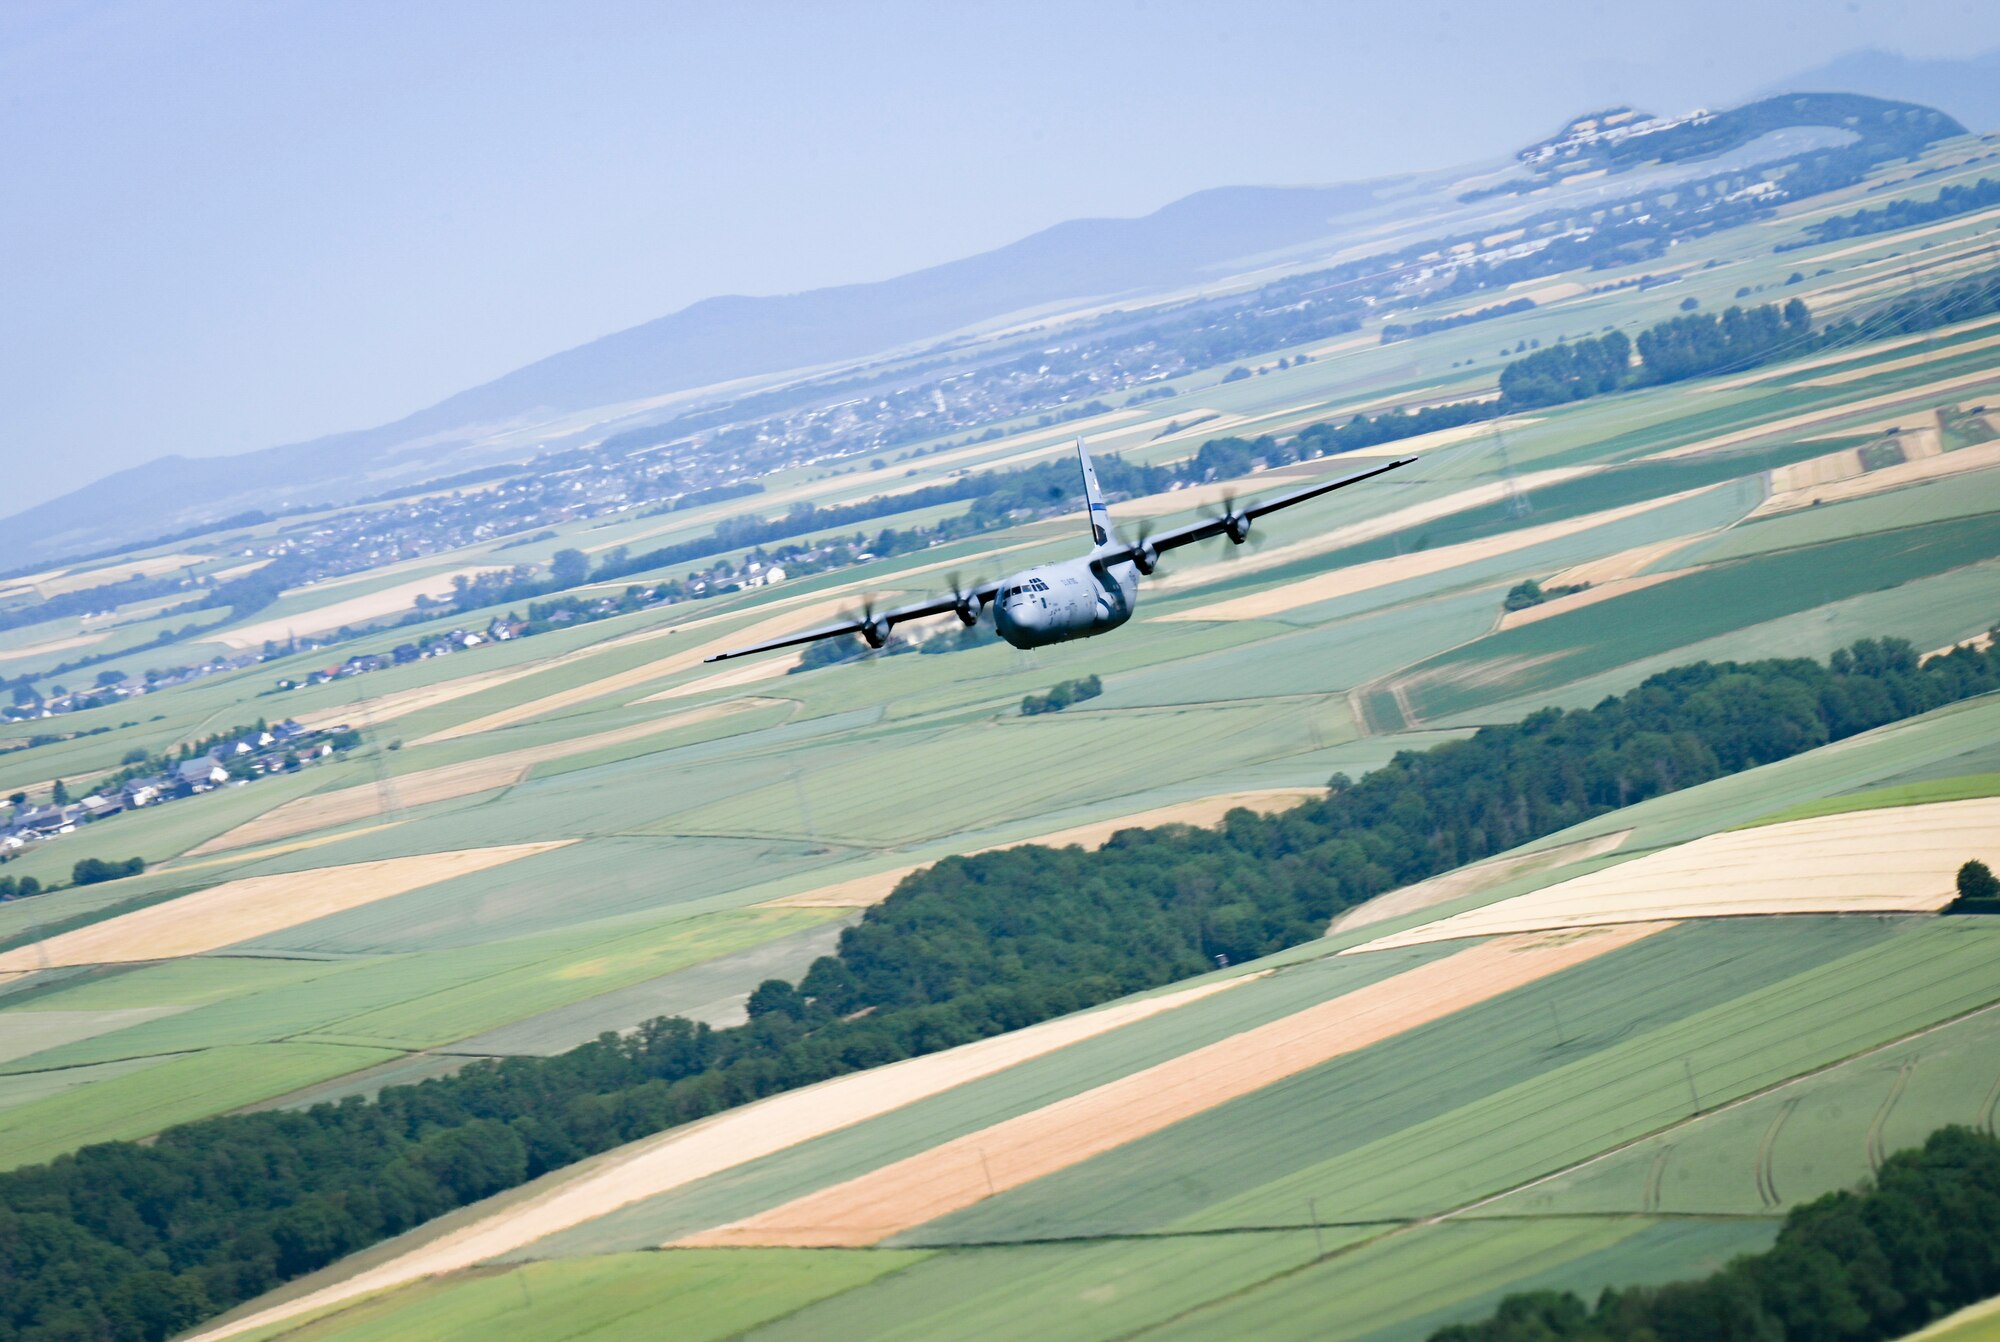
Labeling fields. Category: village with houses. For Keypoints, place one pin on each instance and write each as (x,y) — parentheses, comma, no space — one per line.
(235,759)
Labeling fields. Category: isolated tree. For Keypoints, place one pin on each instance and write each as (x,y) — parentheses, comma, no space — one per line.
(776,995)
(569,567)
(59,795)
(1976,881)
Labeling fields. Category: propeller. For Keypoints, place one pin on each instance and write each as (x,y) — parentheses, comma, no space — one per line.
(874,629)
(1235,525)
(1144,557)
(966,605)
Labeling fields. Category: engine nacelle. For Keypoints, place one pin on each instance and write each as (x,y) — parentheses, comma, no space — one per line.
(967,611)
(876,632)
(1145,558)
(1237,527)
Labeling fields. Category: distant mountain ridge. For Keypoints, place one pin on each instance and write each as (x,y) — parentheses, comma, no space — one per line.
(719,339)
(722,339)
(1967,88)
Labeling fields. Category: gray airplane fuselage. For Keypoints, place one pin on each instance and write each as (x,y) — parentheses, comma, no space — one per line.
(1054,603)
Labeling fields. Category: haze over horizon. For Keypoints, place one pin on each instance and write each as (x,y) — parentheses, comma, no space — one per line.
(250,225)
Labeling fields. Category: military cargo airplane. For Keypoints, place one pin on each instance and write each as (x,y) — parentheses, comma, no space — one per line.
(1072,598)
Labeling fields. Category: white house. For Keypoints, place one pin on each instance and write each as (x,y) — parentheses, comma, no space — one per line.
(200,774)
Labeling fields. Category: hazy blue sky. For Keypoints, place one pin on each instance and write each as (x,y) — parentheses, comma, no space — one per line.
(228,225)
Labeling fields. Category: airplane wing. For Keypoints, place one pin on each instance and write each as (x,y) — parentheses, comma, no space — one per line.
(1244,514)
(874,628)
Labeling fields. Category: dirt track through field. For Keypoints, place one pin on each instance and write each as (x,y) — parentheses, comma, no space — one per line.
(950,1177)
(1382,572)
(863,891)
(675,1159)
(1898,859)
(444,782)
(238,911)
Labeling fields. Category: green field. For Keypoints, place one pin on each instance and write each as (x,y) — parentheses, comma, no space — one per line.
(699,1296)
(1928,974)
(1639,1117)
(140,1102)
(1270,1158)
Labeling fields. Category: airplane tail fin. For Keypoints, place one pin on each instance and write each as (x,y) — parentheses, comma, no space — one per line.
(1101,530)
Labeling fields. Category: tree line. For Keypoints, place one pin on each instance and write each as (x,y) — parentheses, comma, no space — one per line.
(1899,214)
(123,1240)
(1879,1263)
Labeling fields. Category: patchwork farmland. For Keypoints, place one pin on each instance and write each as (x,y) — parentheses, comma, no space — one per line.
(1612,1050)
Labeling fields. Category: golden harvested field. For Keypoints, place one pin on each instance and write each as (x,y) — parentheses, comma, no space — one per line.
(344,806)
(52,645)
(75,580)
(1555,293)
(863,891)
(1899,859)
(1470,881)
(1382,572)
(351,610)
(1923,442)
(743,673)
(1979,457)
(1590,596)
(1817,471)
(445,782)
(1625,564)
(1045,1141)
(1978,642)
(253,907)
(680,1157)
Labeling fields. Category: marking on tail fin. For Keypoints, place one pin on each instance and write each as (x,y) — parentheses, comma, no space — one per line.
(1100,516)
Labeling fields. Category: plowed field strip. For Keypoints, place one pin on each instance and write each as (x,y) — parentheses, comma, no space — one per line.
(699,1150)
(947,1178)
